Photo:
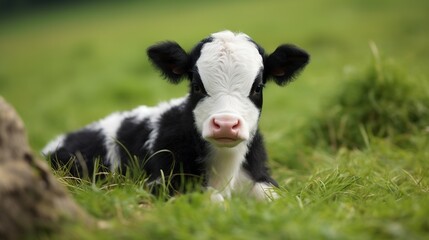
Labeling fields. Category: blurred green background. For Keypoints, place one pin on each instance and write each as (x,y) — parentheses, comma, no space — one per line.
(64,64)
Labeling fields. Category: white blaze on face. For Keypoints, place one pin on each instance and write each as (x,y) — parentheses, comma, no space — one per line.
(228,66)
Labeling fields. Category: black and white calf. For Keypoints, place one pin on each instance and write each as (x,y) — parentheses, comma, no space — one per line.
(211,133)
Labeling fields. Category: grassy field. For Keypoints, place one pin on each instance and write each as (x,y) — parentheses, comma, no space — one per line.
(65,67)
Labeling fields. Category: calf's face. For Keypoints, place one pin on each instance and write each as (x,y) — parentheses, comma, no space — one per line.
(227,73)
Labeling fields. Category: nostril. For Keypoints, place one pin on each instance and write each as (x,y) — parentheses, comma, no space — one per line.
(236,125)
(215,124)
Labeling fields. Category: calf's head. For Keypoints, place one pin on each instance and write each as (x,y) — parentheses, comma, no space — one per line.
(227,73)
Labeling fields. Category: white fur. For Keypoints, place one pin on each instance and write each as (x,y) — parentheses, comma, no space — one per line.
(53,145)
(264,191)
(223,168)
(261,191)
(228,67)
(109,127)
(140,113)
(221,185)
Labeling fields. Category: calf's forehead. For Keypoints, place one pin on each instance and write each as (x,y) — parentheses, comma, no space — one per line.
(229,63)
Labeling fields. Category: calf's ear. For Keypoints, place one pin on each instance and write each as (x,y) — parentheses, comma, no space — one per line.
(170,59)
(285,63)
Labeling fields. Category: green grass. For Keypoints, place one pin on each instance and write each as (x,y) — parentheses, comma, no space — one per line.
(382,102)
(63,68)
(380,193)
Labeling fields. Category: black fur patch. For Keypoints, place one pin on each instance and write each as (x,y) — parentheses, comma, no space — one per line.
(256,91)
(131,137)
(285,63)
(170,59)
(196,51)
(256,161)
(85,145)
(178,150)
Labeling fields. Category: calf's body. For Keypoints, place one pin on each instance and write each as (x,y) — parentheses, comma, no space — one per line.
(210,134)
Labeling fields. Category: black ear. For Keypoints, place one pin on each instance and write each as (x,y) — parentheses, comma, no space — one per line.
(170,59)
(285,63)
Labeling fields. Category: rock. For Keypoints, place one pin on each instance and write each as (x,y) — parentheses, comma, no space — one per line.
(32,201)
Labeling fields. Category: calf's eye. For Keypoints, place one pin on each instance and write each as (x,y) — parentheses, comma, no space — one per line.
(196,88)
(258,89)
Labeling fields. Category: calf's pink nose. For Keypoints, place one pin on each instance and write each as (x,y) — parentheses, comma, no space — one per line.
(225,127)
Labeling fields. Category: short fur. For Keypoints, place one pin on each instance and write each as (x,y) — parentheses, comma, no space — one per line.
(226,73)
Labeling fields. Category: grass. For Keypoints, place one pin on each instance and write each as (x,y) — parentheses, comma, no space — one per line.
(380,193)
(383,102)
(63,68)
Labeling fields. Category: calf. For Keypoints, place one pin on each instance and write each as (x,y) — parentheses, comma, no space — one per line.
(211,133)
